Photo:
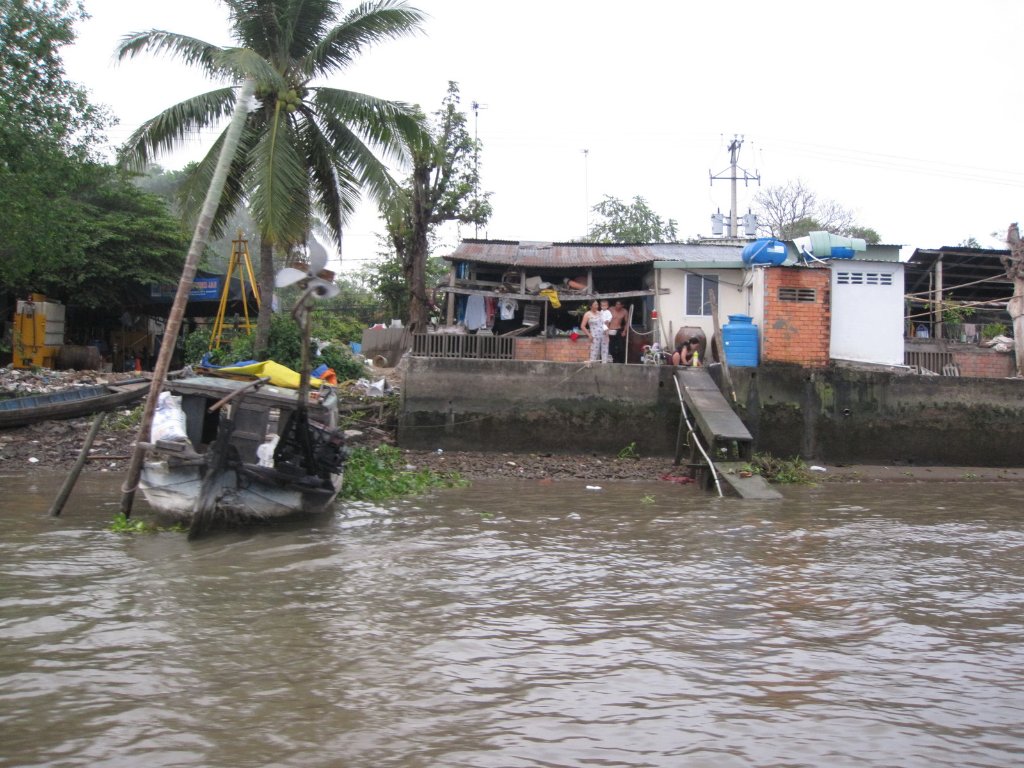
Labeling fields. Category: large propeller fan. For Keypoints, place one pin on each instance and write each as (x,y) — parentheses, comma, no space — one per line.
(310,280)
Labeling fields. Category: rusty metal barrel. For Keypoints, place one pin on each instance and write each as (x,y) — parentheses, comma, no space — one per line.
(71,357)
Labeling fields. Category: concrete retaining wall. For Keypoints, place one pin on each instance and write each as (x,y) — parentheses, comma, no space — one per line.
(831,415)
(537,406)
(841,415)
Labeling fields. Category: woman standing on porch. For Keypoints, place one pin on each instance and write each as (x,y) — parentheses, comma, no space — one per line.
(596,327)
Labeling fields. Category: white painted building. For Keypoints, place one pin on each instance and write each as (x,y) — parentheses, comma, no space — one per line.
(867,311)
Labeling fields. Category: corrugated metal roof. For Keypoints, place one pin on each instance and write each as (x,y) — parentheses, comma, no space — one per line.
(524,253)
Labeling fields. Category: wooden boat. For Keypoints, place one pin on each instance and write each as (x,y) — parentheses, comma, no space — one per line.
(217,472)
(70,403)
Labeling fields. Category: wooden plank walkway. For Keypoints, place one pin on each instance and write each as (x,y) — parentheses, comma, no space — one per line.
(725,437)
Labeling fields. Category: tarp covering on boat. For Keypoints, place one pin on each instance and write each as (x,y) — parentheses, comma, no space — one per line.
(280,375)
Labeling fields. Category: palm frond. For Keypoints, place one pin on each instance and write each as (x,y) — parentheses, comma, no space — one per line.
(255,22)
(369,23)
(245,62)
(283,31)
(279,183)
(308,22)
(389,126)
(335,191)
(173,126)
(192,51)
(368,171)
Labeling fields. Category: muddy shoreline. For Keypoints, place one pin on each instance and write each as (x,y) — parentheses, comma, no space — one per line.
(55,445)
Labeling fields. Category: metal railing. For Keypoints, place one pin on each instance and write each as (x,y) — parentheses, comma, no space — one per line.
(481,347)
(929,360)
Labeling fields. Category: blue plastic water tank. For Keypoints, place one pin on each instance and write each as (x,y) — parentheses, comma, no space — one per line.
(766,250)
(739,337)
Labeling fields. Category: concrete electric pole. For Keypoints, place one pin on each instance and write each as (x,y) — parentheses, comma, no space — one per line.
(733,177)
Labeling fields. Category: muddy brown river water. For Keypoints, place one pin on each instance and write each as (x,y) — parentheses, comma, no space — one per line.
(515,623)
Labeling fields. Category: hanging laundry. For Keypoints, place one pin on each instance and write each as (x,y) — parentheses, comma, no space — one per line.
(552,295)
(507,309)
(476,312)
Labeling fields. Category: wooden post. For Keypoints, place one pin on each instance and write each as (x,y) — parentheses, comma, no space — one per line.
(726,377)
(76,470)
(629,326)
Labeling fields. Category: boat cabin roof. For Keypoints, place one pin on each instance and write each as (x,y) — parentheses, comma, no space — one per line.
(267,395)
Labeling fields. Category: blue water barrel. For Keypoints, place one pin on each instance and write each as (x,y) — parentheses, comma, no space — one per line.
(739,337)
(766,250)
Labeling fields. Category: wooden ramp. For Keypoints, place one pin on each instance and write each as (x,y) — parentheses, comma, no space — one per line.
(744,484)
(723,437)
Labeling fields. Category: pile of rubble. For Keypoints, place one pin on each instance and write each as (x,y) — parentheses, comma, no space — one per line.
(56,444)
(21,383)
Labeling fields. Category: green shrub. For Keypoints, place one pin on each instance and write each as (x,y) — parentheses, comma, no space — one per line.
(124,421)
(991,330)
(340,358)
(283,346)
(790,471)
(629,452)
(123,524)
(196,345)
(377,474)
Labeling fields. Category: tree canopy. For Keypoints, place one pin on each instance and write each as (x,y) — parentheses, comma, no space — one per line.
(793,210)
(73,228)
(443,186)
(635,222)
(39,106)
(83,233)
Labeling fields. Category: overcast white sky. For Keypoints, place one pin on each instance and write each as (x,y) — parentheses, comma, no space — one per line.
(908,112)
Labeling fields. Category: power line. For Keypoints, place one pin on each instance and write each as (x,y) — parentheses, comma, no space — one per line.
(901,163)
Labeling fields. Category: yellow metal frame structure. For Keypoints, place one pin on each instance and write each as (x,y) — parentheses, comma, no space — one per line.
(38,332)
(239,261)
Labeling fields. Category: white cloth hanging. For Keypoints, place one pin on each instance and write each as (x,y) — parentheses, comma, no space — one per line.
(476,312)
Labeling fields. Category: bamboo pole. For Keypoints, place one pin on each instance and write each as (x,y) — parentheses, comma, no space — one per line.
(72,478)
(188,274)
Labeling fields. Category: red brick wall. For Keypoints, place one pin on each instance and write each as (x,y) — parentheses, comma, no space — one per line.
(982,363)
(557,350)
(797,331)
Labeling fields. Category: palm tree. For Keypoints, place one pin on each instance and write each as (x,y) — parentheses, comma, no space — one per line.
(307,151)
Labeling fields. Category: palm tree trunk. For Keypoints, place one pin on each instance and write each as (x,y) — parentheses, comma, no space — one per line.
(1014,266)
(262,340)
(188,274)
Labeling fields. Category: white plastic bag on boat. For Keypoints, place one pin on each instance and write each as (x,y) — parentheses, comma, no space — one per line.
(168,419)
(265,453)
